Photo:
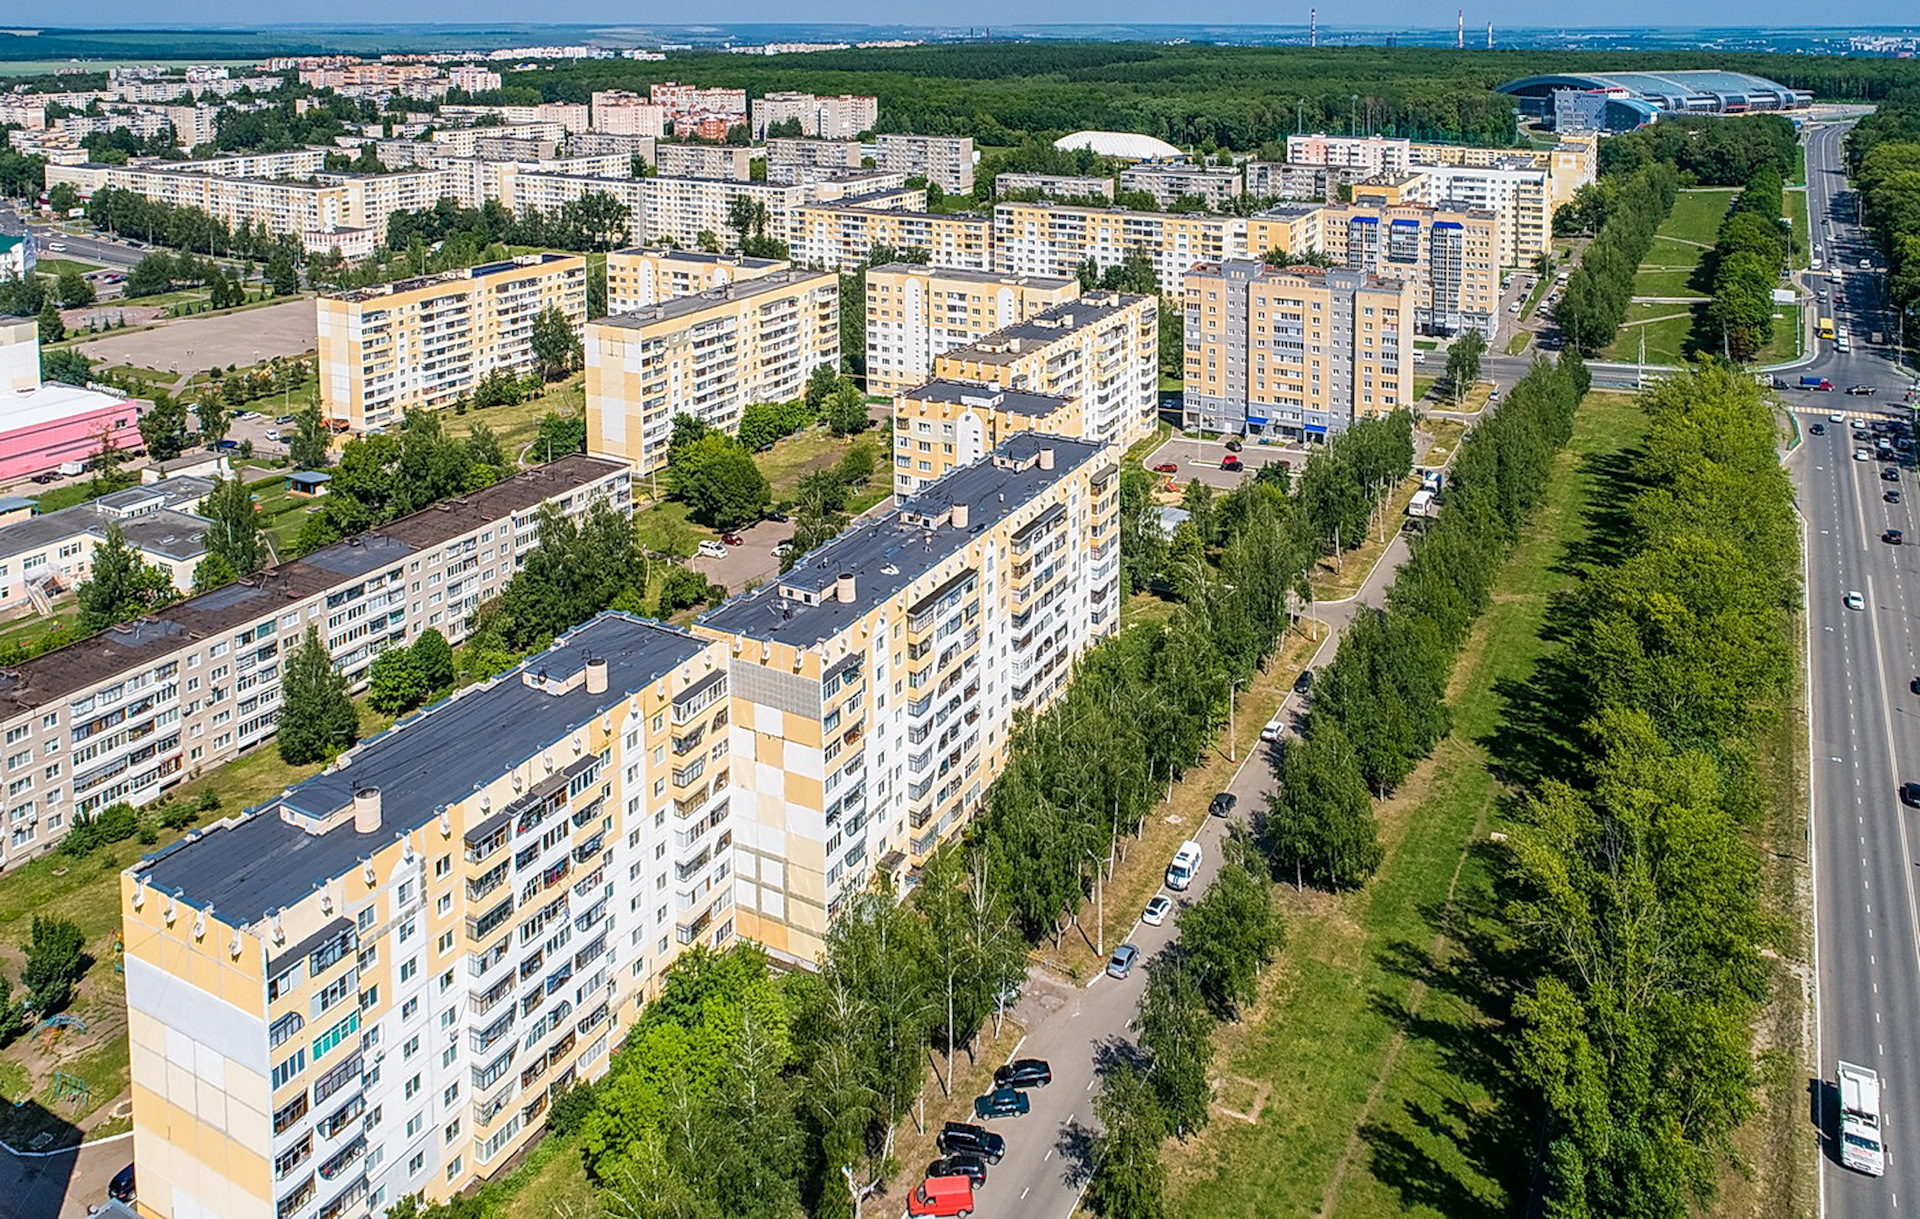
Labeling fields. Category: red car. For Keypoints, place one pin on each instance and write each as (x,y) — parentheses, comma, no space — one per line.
(732,539)
(1230,462)
(1167,467)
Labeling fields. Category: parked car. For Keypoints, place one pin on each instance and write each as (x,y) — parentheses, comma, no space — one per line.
(1304,682)
(1855,601)
(1157,910)
(732,539)
(782,549)
(778,518)
(120,1189)
(966,1164)
(1892,497)
(1229,462)
(1862,455)
(272,434)
(1024,1073)
(1222,804)
(1860,391)
(1167,467)
(710,549)
(50,476)
(1233,444)
(1185,865)
(1910,794)
(1270,731)
(1893,537)
(943,1196)
(957,1137)
(284,420)
(1817,429)
(1001,1102)
(1120,964)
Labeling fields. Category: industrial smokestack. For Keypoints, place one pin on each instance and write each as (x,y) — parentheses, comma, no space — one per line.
(1489,35)
(1460,29)
(1313,27)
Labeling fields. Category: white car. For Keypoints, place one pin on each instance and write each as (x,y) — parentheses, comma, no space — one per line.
(1185,866)
(782,549)
(1815,264)
(1855,601)
(1271,731)
(272,434)
(1866,264)
(1862,455)
(1836,417)
(712,549)
(1157,910)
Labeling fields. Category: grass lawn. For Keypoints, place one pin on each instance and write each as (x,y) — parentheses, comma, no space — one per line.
(1668,281)
(1668,329)
(33,626)
(1518,343)
(1392,1095)
(60,266)
(281,514)
(1697,214)
(1797,213)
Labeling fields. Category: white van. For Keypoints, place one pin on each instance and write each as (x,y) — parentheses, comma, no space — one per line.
(1185,865)
(710,549)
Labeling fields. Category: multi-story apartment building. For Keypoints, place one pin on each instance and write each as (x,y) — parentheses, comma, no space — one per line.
(1101,349)
(709,356)
(682,99)
(427,342)
(134,710)
(874,686)
(472,78)
(1448,256)
(466,141)
(941,425)
(374,984)
(1570,164)
(841,236)
(602,143)
(1287,180)
(1171,181)
(1059,186)
(641,276)
(791,159)
(1370,155)
(704,161)
(1056,239)
(827,118)
(1296,352)
(53,552)
(946,161)
(914,313)
(618,112)
(1290,227)
(1516,190)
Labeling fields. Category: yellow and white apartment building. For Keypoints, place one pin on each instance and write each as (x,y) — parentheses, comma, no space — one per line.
(874,686)
(941,425)
(840,236)
(1101,350)
(1055,239)
(1517,190)
(709,356)
(425,343)
(641,276)
(374,984)
(1447,254)
(916,312)
(1297,352)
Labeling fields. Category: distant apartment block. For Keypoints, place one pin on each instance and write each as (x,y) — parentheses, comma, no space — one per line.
(374,985)
(426,343)
(602,143)
(1294,352)
(1570,164)
(791,159)
(1101,349)
(1057,239)
(137,709)
(1292,228)
(709,356)
(914,313)
(1057,186)
(640,277)
(1170,182)
(51,554)
(826,118)
(1448,256)
(1287,180)
(1517,191)
(840,237)
(1370,155)
(945,161)
(940,425)
(704,161)
(874,687)
(617,112)
(473,79)
(689,99)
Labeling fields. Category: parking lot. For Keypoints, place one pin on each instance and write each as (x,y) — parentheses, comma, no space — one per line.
(194,344)
(1201,459)
(748,562)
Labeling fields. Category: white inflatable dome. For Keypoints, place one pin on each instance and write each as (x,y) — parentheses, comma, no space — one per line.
(1123,144)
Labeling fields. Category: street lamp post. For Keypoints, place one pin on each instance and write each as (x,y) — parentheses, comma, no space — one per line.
(1100,907)
(1232,744)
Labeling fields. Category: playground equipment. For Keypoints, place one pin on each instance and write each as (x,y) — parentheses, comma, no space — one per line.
(71,1087)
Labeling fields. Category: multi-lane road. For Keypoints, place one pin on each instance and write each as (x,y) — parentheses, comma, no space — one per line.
(1864,719)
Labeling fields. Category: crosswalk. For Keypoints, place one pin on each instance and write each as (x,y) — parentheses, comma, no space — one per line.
(1817,412)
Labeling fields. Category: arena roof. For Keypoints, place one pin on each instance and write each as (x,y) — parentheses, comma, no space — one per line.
(1692,92)
(1126,145)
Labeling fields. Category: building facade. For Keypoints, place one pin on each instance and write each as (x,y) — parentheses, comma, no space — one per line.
(826,118)
(792,159)
(618,112)
(44,424)
(1296,352)
(704,161)
(944,160)
(47,555)
(1059,186)
(841,236)
(709,356)
(426,343)
(1517,191)
(1369,155)
(1056,239)
(640,277)
(941,425)
(1449,256)
(915,313)
(1171,181)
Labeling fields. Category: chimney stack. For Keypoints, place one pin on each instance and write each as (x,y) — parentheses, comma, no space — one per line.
(366,810)
(1046,457)
(596,675)
(843,588)
(958,517)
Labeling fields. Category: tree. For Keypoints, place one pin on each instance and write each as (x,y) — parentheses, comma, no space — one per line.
(395,683)
(211,410)
(233,530)
(433,656)
(1231,931)
(163,426)
(1129,1180)
(820,386)
(122,586)
(317,716)
(73,290)
(1463,363)
(52,329)
(719,482)
(311,445)
(846,409)
(65,365)
(556,346)
(56,959)
(107,457)
(1321,819)
(561,433)
(212,572)
(282,276)
(1177,1030)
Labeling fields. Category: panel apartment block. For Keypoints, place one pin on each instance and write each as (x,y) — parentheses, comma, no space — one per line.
(374,984)
(134,710)
(1058,186)
(1056,238)
(826,118)
(944,160)
(708,356)
(789,158)
(704,161)
(840,237)
(617,112)
(1372,154)
(941,425)
(1296,352)
(426,343)
(639,277)
(916,312)
(1516,190)
(1447,255)
(874,686)
(1216,186)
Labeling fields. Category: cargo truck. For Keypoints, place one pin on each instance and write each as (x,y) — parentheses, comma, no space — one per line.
(1815,383)
(1862,1145)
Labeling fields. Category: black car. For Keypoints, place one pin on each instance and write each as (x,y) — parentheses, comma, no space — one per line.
(1890,474)
(1817,429)
(1233,446)
(1910,794)
(1001,1102)
(120,1189)
(958,1138)
(1024,1073)
(966,1164)
(1221,804)
(778,518)
(1893,537)
(1304,682)
(51,476)
(1892,497)
(1860,391)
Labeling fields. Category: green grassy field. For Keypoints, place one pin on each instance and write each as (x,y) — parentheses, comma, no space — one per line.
(1390,1093)
(1697,214)
(1668,329)
(1686,281)
(1797,213)
(60,266)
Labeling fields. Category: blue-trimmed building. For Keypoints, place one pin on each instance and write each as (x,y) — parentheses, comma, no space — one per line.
(1621,101)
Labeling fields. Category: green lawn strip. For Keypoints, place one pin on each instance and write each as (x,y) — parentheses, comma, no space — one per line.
(1797,213)
(1669,333)
(60,266)
(1697,214)
(1666,282)
(1336,1027)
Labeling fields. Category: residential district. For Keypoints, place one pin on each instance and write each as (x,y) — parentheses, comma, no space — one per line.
(375,983)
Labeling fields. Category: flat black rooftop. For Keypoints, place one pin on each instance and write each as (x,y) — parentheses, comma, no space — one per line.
(246,868)
(973,277)
(738,290)
(887,554)
(1013,401)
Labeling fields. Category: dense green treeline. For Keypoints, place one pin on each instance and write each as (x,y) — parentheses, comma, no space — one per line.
(1708,151)
(1749,256)
(1883,154)
(1635,877)
(1629,210)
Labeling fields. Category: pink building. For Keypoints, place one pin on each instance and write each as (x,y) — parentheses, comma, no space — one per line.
(43,424)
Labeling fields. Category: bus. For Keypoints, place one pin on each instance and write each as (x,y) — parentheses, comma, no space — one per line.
(1826,327)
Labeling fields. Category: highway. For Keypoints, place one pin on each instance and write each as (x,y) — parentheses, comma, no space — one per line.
(1864,719)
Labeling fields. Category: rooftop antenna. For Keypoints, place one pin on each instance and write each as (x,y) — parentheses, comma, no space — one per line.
(1460,29)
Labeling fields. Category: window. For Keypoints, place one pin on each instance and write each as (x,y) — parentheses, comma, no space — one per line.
(443,905)
(445,944)
(419,1160)
(369,997)
(442,866)
(411,1047)
(449,1054)
(453,1169)
(414,1123)
(335,1035)
(404,897)
(412,1089)
(409,1008)
(448,1135)
(284,1028)
(364,920)
(409,968)
(451,1095)
(289,1068)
